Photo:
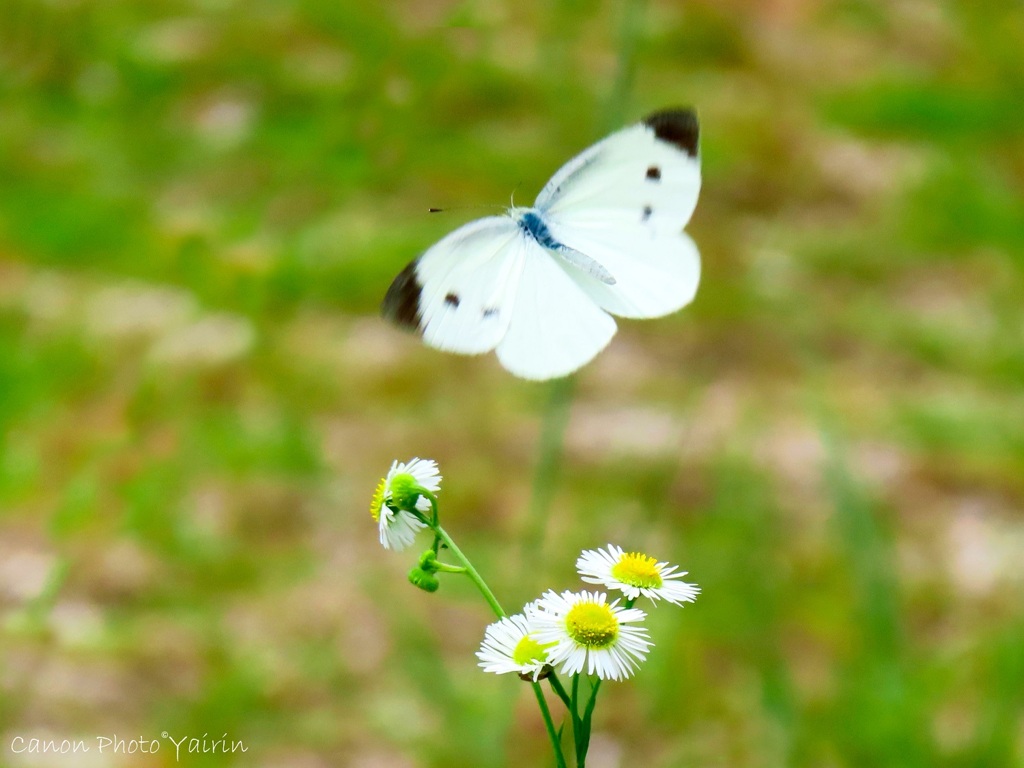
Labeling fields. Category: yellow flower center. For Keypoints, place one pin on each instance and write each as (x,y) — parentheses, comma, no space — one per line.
(592,625)
(378,501)
(638,570)
(529,651)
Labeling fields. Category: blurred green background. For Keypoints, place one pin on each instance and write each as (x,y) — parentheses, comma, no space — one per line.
(201,206)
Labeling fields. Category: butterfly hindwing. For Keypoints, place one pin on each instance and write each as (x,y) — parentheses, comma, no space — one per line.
(655,274)
(555,327)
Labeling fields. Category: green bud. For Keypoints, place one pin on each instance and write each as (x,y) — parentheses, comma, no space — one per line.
(428,561)
(428,582)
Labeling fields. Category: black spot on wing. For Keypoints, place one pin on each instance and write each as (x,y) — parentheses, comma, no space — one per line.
(490,312)
(402,301)
(451,300)
(676,126)
(647,212)
(654,173)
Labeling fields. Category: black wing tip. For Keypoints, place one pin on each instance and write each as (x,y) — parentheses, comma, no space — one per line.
(678,126)
(401,303)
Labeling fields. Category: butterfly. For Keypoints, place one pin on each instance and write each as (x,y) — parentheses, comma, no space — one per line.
(539,285)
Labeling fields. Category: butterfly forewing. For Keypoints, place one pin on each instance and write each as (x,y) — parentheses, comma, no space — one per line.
(648,173)
(458,294)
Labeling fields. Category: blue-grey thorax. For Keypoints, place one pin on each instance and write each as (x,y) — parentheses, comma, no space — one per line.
(533,225)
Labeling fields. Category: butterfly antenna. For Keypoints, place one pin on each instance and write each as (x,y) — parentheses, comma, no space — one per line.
(458,208)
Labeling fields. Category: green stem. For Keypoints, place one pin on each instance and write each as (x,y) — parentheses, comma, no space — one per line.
(556,686)
(445,568)
(575,693)
(474,576)
(577,723)
(630,29)
(556,417)
(433,505)
(467,568)
(593,700)
(549,725)
(587,715)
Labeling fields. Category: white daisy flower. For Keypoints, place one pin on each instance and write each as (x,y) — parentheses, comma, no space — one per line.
(587,631)
(509,646)
(393,498)
(635,574)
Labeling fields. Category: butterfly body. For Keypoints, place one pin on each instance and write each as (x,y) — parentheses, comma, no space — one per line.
(532,223)
(539,285)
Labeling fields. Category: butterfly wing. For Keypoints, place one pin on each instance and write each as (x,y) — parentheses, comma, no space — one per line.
(488,285)
(624,202)
(458,294)
(554,327)
(655,274)
(653,165)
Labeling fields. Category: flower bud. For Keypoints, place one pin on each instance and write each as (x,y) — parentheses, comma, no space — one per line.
(428,582)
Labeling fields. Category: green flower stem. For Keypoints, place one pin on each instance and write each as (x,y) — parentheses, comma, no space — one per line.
(549,725)
(474,576)
(577,723)
(433,505)
(593,701)
(558,688)
(587,715)
(545,477)
(441,535)
(629,29)
(445,568)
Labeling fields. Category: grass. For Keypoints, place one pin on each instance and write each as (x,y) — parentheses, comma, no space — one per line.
(200,209)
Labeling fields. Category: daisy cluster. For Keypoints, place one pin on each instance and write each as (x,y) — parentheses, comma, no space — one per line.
(582,630)
(576,631)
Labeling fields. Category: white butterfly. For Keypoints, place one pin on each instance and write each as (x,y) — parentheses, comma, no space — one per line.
(537,285)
